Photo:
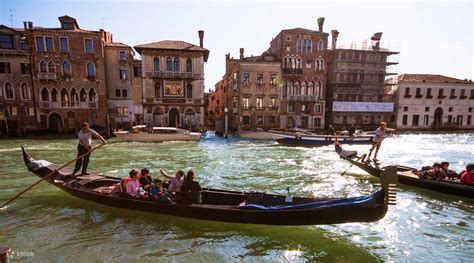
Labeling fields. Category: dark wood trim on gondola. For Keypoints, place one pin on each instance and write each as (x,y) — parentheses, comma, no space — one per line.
(223,205)
(405,176)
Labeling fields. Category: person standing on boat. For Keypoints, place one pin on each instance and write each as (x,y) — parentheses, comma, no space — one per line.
(85,136)
(378,138)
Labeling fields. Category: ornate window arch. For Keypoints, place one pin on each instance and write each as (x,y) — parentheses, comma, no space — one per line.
(8,91)
(43,68)
(92,95)
(318,90)
(309,46)
(156,64)
(176,65)
(299,45)
(25,91)
(320,45)
(64,98)
(54,95)
(66,67)
(74,97)
(44,94)
(189,65)
(90,69)
(51,67)
(83,95)
(169,64)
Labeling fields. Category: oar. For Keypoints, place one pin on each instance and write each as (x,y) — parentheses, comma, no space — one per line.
(43,178)
(365,154)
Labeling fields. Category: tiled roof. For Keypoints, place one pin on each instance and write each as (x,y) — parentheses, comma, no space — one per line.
(173,45)
(117,44)
(430,78)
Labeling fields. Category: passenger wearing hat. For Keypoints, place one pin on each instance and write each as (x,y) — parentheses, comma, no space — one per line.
(145,180)
(467,176)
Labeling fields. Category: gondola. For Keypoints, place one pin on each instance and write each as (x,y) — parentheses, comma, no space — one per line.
(307,139)
(406,176)
(231,206)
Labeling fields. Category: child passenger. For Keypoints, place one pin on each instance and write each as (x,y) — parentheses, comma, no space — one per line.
(134,184)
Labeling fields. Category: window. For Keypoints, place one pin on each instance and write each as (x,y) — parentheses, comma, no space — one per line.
(472,94)
(123,74)
(272,103)
(320,45)
(40,43)
(414,121)
(54,95)
(7,41)
(5,68)
(309,46)
(64,98)
(426,120)
(245,103)
(259,103)
(284,90)
(450,119)
(317,108)
(189,65)
(470,109)
(157,90)
(427,109)
(156,64)
(122,111)
(51,67)
(303,107)
(66,69)
(407,92)
(469,117)
(428,93)
(90,70)
(259,79)
(23,45)
(440,94)
(117,93)
(44,94)
(299,45)
(418,93)
(83,95)
(68,26)
(246,120)
(273,79)
(259,120)
(12,111)
(43,67)
(450,109)
(169,64)
(291,107)
(30,111)
(189,91)
(124,93)
(74,98)
(405,120)
(176,65)
(235,80)
(9,93)
(136,71)
(453,94)
(272,120)
(25,92)
(25,68)
(92,95)
(246,78)
(288,38)
(405,108)
(89,45)
(122,55)
(49,44)
(463,95)
(234,102)
(63,44)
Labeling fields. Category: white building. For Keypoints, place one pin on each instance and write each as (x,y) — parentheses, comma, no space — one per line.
(430,102)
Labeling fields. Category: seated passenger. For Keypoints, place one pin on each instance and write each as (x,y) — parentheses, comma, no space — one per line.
(145,179)
(433,174)
(158,192)
(467,176)
(133,185)
(191,189)
(176,181)
(450,174)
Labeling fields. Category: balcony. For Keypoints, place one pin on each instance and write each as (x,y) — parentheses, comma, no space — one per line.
(296,71)
(47,76)
(44,105)
(302,98)
(418,96)
(174,75)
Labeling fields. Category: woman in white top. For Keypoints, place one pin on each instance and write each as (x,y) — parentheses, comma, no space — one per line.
(175,182)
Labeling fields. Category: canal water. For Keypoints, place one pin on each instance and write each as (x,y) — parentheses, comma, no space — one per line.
(47,225)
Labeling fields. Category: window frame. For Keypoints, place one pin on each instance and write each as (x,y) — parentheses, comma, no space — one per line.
(85,45)
(61,44)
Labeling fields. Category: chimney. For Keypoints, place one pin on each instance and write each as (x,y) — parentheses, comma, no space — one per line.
(25,24)
(201,38)
(227,56)
(241,53)
(334,34)
(320,24)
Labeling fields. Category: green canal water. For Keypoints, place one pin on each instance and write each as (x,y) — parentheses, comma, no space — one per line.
(48,225)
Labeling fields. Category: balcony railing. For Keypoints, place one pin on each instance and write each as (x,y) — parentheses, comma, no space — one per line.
(175,75)
(302,98)
(47,76)
(292,71)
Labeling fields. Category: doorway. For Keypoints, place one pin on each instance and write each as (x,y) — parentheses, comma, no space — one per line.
(438,118)
(55,122)
(173,118)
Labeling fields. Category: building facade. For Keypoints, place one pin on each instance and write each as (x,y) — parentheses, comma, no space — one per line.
(356,82)
(173,83)
(17,107)
(433,102)
(215,107)
(68,69)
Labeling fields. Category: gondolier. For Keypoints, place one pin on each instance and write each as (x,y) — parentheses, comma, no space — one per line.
(378,138)
(85,136)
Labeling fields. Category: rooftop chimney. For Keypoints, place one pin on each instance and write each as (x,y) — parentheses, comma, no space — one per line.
(201,38)
(241,53)
(227,56)
(334,35)
(320,24)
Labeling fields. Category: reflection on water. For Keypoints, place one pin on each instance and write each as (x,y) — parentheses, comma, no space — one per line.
(424,226)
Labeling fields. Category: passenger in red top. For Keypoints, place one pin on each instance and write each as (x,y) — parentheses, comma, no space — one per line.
(467,176)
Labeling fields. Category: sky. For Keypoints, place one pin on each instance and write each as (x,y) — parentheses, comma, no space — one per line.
(433,37)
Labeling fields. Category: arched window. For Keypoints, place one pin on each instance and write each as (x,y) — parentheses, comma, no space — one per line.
(25,92)
(43,67)
(51,67)
(317,64)
(309,46)
(54,95)
(284,89)
(320,45)
(92,95)
(189,65)
(303,88)
(291,87)
(285,62)
(90,70)
(318,90)
(298,63)
(189,91)
(74,98)
(169,64)
(44,94)
(66,69)
(311,88)
(299,45)
(293,62)
(157,89)
(297,88)
(9,93)
(176,65)
(307,90)
(156,64)
(83,95)
(321,64)
(64,98)
(304,45)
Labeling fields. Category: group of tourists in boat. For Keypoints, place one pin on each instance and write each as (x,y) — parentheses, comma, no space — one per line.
(441,171)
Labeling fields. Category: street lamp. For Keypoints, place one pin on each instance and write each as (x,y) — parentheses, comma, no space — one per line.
(226,122)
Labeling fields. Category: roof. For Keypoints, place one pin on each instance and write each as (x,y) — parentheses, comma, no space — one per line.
(117,44)
(68,19)
(172,45)
(431,78)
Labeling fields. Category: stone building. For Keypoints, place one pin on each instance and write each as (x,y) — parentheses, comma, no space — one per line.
(173,82)
(303,54)
(356,80)
(17,107)
(433,102)
(252,93)
(68,69)
(215,107)
(119,64)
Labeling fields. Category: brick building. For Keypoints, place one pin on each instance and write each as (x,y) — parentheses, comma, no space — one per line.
(173,82)
(68,69)
(215,107)
(356,81)
(433,102)
(17,107)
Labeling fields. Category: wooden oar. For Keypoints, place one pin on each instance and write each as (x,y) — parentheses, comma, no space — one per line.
(362,156)
(43,178)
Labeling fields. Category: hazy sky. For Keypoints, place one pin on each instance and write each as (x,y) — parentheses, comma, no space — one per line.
(434,37)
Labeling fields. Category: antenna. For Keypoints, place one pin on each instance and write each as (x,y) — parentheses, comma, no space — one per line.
(11,17)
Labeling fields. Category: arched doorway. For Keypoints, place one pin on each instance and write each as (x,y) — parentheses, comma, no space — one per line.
(438,118)
(173,118)
(55,122)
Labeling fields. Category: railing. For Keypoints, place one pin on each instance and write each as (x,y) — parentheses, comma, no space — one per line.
(302,98)
(292,71)
(47,76)
(176,75)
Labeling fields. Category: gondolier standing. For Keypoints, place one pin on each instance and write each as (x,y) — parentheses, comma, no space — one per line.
(377,141)
(85,136)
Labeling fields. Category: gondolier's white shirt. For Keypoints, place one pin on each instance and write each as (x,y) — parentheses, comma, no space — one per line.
(86,137)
